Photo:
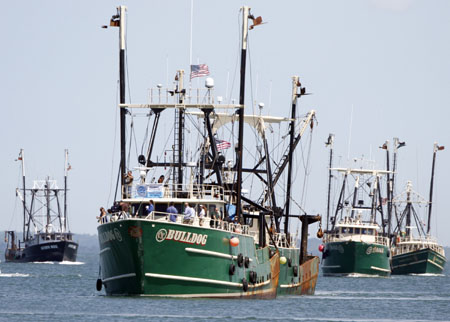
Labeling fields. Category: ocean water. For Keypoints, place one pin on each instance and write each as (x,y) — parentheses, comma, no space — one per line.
(66,292)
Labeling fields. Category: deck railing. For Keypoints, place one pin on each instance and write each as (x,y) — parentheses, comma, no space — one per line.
(188,191)
(410,244)
(356,237)
(179,219)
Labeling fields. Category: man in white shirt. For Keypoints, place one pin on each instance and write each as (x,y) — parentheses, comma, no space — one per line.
(189,214)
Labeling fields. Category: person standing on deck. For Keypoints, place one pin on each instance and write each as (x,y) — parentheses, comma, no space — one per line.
(150,208)
(189,214)
(202,214)
(172,211)
(128,181)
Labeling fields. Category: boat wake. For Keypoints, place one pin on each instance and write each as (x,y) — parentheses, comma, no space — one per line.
(43,262)
(70,263)
(363,275)
(427,274)
(13,275)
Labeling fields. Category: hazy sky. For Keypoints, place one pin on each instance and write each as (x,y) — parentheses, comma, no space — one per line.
(388,61)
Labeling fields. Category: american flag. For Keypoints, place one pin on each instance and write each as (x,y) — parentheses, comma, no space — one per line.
(222,145)
(199,70)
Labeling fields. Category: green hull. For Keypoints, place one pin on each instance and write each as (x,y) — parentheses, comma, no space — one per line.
(350,257)
(154,258)
(297,279)
(423,261)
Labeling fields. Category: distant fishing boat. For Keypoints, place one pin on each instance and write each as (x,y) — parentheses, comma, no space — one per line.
(46,234)
(195,233)
(416,253)
(355,241)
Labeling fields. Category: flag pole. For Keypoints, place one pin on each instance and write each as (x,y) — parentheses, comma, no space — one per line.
(190,44)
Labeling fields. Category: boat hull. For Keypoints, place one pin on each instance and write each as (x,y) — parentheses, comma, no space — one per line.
(158,258)
(352,257)
(423,261)
(56,251)
(297,279)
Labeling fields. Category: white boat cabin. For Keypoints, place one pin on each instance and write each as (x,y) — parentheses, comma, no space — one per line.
(354,229)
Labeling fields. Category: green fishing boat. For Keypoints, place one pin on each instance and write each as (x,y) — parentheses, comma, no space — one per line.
(415,253)
(355,248)
(356,242)
(196,232)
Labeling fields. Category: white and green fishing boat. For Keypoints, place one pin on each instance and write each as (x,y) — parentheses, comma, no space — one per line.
(213,241)
(414,250)
(355,241)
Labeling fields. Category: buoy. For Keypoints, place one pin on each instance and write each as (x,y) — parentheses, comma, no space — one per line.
(234,241)
(283,260)
(321,247)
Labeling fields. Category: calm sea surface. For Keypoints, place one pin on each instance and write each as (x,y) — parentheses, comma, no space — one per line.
(66,292)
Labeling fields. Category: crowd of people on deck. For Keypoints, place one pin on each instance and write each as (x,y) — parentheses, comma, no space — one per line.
(122,210)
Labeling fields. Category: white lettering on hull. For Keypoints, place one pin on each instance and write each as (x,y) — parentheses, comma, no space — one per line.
(110,235)
(49,247)
(181,236)
(374,249)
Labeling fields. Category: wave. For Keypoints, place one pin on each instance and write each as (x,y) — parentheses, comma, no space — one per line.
(70,263)
(381,298)
(358,275)
(68,315)
(428,274)
(13,275)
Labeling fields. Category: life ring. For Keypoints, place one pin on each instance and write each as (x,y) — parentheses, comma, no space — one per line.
(244,284)
(240,260)
(231,269)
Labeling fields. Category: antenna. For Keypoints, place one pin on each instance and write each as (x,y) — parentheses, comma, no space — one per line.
(350,135)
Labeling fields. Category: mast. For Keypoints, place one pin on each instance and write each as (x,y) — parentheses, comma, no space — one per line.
(355,194)
(47,197)
(329,143)
(66,169)
(295,86)
(240,111)
(180,127)
(408,210)
(389,191)
(119,20)
(340,205)
(22,159)
(435,149)
(397,145)
(373,211)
